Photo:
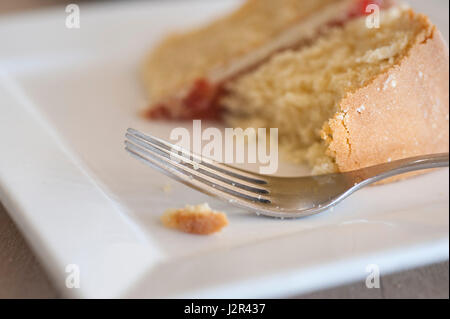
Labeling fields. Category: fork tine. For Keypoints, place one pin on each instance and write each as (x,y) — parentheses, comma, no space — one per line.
(222,168)
(190,176)
(195,166)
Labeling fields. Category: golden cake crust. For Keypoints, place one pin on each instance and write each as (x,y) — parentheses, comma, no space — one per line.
(402,113)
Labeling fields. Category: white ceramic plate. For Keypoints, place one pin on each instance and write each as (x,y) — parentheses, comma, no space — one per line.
(66,99)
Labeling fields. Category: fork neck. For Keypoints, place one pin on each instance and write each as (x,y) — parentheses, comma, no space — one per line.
(386,170)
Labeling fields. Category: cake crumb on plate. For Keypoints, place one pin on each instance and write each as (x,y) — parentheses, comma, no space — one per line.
(198,219)
(167,188)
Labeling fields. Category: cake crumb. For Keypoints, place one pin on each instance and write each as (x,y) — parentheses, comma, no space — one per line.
(195,219)
(167,188)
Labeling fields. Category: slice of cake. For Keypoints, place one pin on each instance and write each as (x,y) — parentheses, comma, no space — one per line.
(356,97)
(185,74)
(199,219)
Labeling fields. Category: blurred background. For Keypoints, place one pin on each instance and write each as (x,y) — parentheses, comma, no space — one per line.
(11,6)
(21,276)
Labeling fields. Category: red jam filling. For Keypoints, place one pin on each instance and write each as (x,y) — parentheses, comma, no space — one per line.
(200,103)
(202,100)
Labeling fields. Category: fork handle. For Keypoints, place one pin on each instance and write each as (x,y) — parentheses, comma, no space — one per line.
(379,172)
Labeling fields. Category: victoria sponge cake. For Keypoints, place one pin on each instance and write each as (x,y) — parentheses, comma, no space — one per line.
(343,95)
(356,97)
(185,73)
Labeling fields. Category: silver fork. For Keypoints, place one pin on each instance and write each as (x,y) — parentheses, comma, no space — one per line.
(268,195)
